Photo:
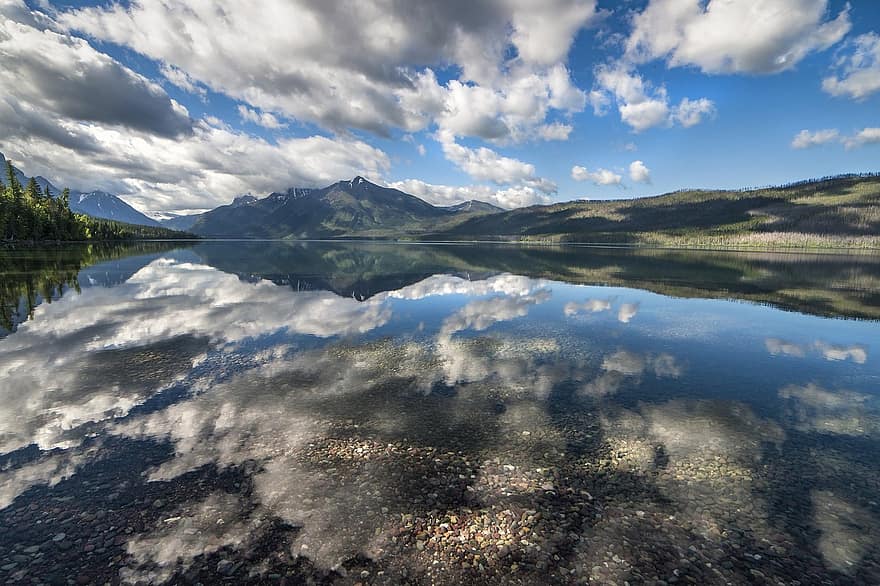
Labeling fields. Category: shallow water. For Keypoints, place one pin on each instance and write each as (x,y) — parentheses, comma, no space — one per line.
(392,413)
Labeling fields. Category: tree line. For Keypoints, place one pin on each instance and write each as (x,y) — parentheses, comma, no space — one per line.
(28,212)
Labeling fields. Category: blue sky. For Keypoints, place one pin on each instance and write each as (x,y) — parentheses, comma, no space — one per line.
(516,102)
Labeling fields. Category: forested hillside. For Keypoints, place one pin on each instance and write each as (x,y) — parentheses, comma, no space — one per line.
(30,213)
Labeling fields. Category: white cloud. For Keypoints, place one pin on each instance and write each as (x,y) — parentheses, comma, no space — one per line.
(365,65)
(555,131)
(645,114)
(599,101)
(484,164)
(52,75)
(691,112)
(858,73)
(513,111)
(444,195)
(202,170)
(639,173)
(264,119)
(81,119)
(183,81)
(598,177)
(642,106)
(721,36)
(863,137)
(806,139)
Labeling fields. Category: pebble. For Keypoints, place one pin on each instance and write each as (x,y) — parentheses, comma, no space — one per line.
(226,567)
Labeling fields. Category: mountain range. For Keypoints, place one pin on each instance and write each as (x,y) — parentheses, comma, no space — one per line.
(840,211)
(346,208)
(355,208)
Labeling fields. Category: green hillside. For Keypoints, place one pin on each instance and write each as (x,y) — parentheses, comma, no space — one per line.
(838,211)
(29,213)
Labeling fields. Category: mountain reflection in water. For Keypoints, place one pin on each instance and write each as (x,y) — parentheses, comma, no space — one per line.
(386,413)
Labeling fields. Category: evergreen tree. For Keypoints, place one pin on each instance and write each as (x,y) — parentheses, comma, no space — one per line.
(32,219)
(31,213)
(15,197)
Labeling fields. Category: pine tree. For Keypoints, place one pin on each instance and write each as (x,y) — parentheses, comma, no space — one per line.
(4,210)
(32,216)
(16,202)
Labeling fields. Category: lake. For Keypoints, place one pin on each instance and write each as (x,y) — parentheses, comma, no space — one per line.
(331,412)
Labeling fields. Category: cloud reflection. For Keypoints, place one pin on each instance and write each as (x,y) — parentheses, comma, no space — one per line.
(627,311)
(589,306)
(813,408)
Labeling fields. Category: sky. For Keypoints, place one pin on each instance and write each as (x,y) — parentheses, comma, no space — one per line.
(180,105)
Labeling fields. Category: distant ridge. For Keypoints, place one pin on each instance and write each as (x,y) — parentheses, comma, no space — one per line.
(351,208)
(837,211)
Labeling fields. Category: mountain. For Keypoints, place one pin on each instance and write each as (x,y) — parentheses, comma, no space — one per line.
(98,204)
(841,211)
(474,205)
(182,222)
(355,208)
(187,221)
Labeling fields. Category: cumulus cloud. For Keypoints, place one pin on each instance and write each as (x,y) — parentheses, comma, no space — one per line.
(643,106)
(718,37)
(598,177)
(264,119)
(366,65)
(806,139)
(81,119)
(858,70)
(639,173)
(56,75)
(183,81)
(485,164)
(863,137)
(749,36)
(810,138)
(691,112)
(203,170)
(445,195)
